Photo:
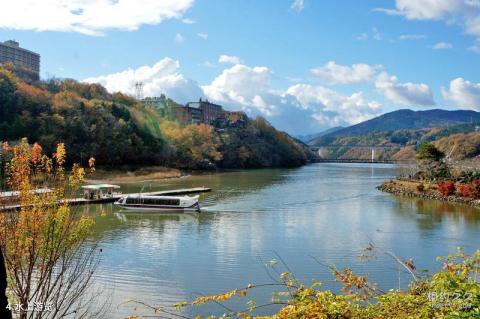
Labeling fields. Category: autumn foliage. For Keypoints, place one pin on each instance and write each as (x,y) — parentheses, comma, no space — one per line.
(469,190)
(117,130)
(44,241)
(466,190)
(446,188)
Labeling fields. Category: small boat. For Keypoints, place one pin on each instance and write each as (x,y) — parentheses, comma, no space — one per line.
(159,203)
(100,191)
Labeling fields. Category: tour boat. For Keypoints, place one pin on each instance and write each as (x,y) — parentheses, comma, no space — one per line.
(159,203)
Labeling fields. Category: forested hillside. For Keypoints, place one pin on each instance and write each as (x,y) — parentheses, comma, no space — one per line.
(460,146)
(460,141)
(396,136)
(117,130)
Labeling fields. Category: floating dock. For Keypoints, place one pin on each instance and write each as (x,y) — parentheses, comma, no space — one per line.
(117,196)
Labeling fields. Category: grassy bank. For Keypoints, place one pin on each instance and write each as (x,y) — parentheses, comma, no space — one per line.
(132,175)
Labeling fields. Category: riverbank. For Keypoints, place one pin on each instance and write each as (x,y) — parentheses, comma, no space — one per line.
(129,175)
(422,189)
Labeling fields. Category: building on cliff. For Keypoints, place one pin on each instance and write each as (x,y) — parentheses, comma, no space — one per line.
(26,64)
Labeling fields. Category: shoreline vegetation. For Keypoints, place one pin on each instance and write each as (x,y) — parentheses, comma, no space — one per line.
(410,188)
(437,178)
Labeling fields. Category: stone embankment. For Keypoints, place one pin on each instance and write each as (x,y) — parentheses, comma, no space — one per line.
(403,188)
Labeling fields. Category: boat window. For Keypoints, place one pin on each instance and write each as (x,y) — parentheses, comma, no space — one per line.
(153,201)
(133,200)
(164,201)
(171,202)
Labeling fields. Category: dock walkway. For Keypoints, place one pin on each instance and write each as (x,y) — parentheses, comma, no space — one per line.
(117,196)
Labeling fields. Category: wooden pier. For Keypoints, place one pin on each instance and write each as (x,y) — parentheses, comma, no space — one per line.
(117,196)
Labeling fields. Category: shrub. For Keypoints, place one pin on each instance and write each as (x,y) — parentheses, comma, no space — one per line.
(471,190)
(430,153)
(476,187)
(446,188)
(466,190)
(420,188)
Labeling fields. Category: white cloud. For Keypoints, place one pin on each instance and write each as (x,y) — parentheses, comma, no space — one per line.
(362,37)
(203,35)
(442,46)
(207,64)
(473,26)
(249,89)
(340,74)
(410,94)
(243,86)
(463,12)
(463,93)
(188,21)
(475,47)
(91,17)
(302,108)
(412,36)
(428,9)
(390,12)
(179,38)
(231,59)
(163,77)
(333,109)
(298,5)
(376,34)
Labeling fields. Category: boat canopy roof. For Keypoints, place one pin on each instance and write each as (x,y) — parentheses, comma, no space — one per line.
(100,186)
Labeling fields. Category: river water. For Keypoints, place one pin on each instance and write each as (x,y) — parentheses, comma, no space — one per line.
(327,211)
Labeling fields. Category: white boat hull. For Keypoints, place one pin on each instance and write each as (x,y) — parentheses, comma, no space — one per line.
(159,209)
(159,203)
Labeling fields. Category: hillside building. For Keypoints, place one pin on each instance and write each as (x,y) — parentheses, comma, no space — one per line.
(188,115)
(26,63)
(209,111)
(202,111)
(157,102)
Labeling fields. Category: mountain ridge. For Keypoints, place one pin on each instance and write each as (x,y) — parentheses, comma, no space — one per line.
(402,119)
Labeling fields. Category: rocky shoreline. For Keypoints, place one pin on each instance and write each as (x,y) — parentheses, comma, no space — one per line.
(395,188)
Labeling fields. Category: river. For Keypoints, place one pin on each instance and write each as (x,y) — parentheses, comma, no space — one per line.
(328,211)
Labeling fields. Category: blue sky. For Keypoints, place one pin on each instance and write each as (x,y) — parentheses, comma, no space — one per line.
(304,65)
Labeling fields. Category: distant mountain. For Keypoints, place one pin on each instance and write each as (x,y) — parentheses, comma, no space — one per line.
(309,137)
(400,120)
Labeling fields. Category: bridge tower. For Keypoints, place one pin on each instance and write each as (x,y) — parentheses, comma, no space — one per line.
(373,154)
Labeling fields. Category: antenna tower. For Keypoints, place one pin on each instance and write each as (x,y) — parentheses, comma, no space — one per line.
(139,90)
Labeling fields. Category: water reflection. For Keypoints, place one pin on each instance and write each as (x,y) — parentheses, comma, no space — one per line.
(429,213)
